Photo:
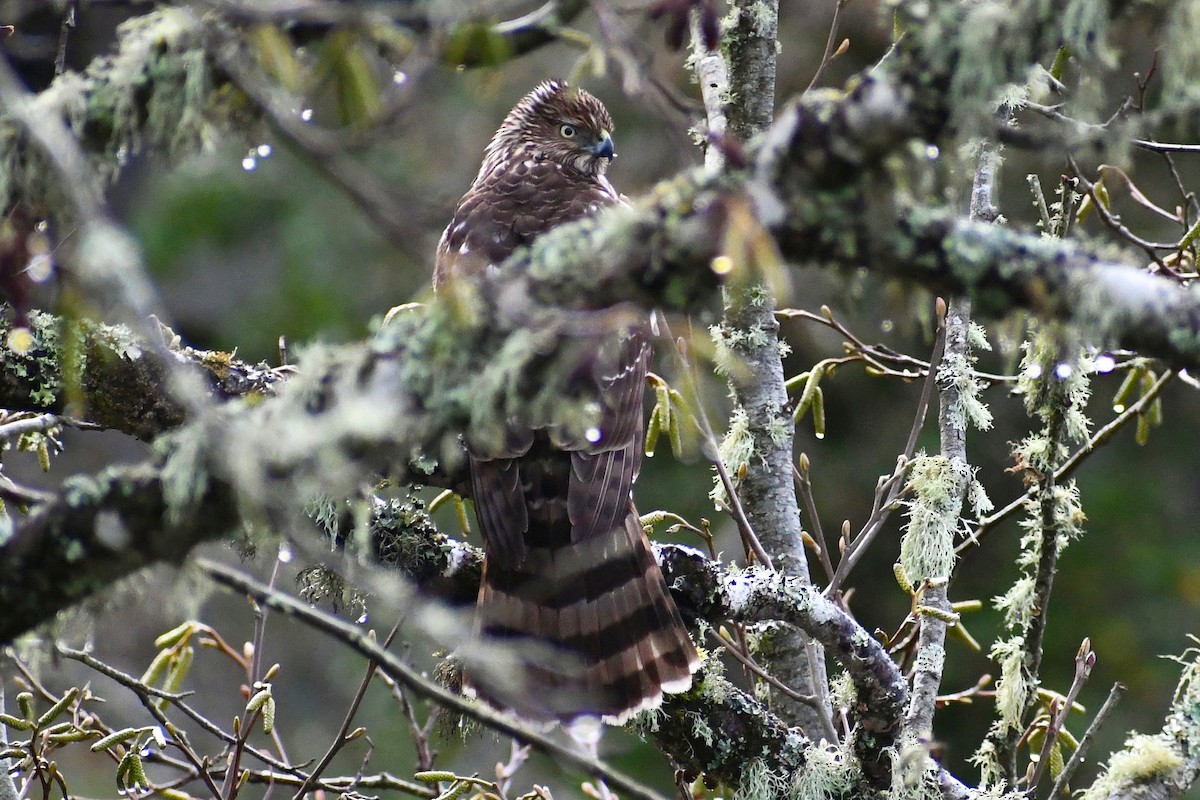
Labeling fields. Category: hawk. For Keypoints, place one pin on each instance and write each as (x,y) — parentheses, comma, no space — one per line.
(567,564)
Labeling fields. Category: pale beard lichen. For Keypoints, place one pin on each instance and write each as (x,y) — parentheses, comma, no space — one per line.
(927,549)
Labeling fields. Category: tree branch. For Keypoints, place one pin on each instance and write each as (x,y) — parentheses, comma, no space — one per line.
(98,531)
(108,376)
(750,332)
(955,381)
(394,667)
(473,358)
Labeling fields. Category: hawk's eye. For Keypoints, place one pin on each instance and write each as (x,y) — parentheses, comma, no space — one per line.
(567,131)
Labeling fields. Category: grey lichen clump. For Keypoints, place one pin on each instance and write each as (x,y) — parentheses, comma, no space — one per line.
(716,730)
(957,370)
(403,536)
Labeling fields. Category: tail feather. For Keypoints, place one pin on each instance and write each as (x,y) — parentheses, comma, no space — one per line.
(617,640)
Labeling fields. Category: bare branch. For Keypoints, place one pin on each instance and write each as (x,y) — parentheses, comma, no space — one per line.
(364,643)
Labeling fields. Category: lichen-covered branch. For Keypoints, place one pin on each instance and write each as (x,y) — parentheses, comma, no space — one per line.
(707,590)
(109,376)
(123,521)
(1055,383)
(751,43)
(753,355)
(825,183)
(100,530)
(717,730)
(473,358)
(760,595)
(1162,766)
(957,390)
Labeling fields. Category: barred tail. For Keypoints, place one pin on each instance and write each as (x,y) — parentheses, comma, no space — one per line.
(596,631)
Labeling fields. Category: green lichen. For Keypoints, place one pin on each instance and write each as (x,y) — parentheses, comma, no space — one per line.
(957,371)
(842,691)
(914,774)
(1054,383)
(991,774)
(81,490)
(43,396)
(759,782)
(700,728)
(1165,757)
(736,451)
(1017,603)
(327,513)
(646,723)
(927,547)
(404,535)
(184,472)
(43,360)
(725,340)
(1143,759)
(1013,689)
(977,50)
(1182,31)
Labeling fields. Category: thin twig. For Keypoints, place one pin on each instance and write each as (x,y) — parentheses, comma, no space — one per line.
(23,495)
(1166,147)
(753,666)
(804,487)
(1190,202)
(342,785)
(177,700)
(340,740)
(713,451)
(420,733)
(856,548)
(64,33)
(359,641)
(253,675)
(1113,222)
(876,355)
(144,694)
(713,75)
(828,55)
(1084,661)
(1085,742)
(40,423)
(967,696)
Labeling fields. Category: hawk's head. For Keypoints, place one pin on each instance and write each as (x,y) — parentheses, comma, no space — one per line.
(557,123)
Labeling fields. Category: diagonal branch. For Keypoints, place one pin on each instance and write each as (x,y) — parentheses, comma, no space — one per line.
(389,664)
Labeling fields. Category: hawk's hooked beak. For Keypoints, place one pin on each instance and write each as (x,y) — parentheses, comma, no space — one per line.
(604,147)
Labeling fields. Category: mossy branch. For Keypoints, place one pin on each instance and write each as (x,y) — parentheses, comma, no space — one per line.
(97,531)
(750,331)
(1164,765)
(107,375)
